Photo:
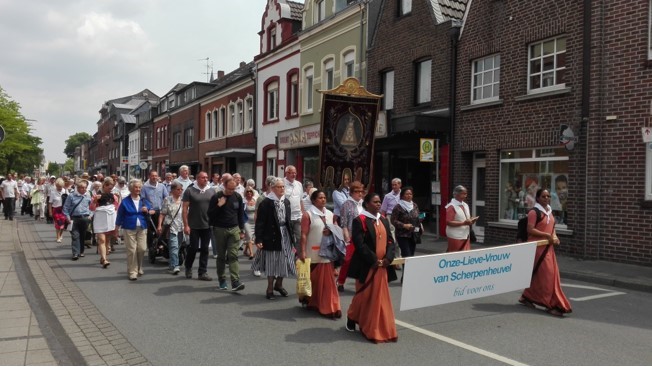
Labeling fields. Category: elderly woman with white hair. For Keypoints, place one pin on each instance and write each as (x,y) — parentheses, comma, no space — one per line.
(131,217)
(459,221)
(251,184)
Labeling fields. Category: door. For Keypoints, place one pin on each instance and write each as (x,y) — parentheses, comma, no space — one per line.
(479,190)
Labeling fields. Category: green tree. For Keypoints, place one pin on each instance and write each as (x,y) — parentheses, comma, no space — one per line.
(74,141)
(20,151)
(69,166)
(54,169)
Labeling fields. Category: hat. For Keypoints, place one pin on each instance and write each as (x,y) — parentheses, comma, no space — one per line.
(53,176)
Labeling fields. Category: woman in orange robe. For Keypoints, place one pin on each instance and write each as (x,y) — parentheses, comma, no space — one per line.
(459,221)
(545,287)
(371,308)
(325,298)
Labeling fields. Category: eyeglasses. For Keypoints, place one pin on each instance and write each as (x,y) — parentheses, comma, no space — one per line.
(545,196)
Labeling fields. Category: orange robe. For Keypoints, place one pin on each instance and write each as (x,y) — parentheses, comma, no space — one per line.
(372,308)
(325,298)
(545,287)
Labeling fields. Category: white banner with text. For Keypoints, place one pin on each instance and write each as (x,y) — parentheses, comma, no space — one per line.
(459,276)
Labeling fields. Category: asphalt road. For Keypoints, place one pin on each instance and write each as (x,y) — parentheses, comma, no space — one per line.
(175,321)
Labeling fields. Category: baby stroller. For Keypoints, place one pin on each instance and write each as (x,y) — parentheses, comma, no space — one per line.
(159,246)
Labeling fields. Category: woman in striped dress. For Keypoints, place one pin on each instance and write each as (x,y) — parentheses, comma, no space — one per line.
(274,237)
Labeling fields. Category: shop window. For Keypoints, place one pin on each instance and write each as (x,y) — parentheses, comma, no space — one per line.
(547,65)
(486,79)
(523,172)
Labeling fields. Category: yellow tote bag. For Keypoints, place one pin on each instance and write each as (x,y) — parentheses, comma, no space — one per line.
(304,286)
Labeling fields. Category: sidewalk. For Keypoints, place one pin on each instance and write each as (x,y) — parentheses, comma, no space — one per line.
(46,319)
(634,277)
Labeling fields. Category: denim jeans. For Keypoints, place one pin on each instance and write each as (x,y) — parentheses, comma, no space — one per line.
(78,234)
(173,248)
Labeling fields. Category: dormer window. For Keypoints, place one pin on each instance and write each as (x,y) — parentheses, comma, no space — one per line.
(272,38)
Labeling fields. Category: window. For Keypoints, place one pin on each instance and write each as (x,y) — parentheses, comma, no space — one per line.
(523,172)
(308,84)
(239,119)
(271,166)
(272,102)
(349,64)
(208,127)
(158,138)
(176,143)
(648,172)
(649,32)
(250,114)
(486,79)
(145,136)
(547,65)
(423,81)
(215,124)
(231,119)
(166,137)
(404,7)
(293,94)
(388,90)
(328,74)
(189,135)
(222,127)
(320,10)
(272,38)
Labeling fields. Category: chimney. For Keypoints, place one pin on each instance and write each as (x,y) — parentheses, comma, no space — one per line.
(220,74)
(242,64)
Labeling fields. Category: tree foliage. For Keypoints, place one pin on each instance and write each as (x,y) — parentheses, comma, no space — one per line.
(69,166)
(20,151)
(74,141)
(54,169)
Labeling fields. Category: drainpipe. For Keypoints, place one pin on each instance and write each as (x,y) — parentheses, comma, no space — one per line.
(454,34)
(586,111)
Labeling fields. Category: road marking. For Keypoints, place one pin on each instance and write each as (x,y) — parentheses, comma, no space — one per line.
(603,295)
(459,344)
(597,296)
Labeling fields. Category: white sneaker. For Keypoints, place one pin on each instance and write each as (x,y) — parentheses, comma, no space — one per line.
(176,270)
(256,273)
(214,256)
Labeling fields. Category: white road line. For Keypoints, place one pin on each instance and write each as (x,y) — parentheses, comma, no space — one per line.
(603,295)
(584,287)
(459,344)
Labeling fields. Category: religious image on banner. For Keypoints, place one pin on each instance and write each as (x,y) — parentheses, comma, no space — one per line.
(346,149)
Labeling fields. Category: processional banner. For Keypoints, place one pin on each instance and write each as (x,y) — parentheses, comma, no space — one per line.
(349,115)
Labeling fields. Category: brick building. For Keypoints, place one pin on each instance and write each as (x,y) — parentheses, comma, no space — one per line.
(554,95)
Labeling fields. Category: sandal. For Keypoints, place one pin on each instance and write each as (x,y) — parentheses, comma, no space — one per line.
(525,302)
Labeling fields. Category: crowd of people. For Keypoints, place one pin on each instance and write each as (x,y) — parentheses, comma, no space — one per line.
(286,223)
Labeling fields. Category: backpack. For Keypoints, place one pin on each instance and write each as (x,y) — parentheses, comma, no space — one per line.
(521,233)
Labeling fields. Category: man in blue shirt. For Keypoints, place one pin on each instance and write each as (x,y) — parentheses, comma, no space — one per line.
(154,193)
(76,209)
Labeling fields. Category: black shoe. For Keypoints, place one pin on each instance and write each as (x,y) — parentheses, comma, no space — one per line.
(75,257)
(340,287)
(237,286)
(350,325)
(189,274)
(204,277)
(270,295)
(282,291)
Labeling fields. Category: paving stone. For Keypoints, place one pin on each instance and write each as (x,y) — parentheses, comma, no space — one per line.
(14,332)
(17,322)
(9,346)
(135,361)
(37,343)
(13,358)
(39,356)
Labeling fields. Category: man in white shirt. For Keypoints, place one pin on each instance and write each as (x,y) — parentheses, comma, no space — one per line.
(26,196)
(184,178)
(340,196)
(9,193)
(391,199)
(293,192)
(239,187)
(215,180)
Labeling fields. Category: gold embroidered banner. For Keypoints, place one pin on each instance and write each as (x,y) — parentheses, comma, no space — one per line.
(349,115)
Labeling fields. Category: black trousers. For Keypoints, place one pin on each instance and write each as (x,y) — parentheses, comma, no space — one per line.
(199,241)
(9,207)
(26,207)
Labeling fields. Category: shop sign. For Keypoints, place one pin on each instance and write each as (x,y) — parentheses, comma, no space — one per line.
(300,137)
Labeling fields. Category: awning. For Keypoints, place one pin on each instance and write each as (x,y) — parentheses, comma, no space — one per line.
(233,152)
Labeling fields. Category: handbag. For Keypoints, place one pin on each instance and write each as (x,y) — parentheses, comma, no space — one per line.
(304,286)
(416,236)
(472,236)
(165,231)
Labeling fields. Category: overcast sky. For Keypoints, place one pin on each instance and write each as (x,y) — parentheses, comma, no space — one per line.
(60,60)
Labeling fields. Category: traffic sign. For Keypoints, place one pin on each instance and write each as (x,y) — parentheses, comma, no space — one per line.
(143,165)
